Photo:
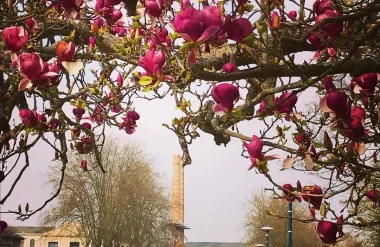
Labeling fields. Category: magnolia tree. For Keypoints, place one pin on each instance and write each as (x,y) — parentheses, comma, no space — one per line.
(235,60)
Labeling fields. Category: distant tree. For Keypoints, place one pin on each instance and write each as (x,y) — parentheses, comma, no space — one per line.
(369,213)
(127,204)
(261,205)
(352,241)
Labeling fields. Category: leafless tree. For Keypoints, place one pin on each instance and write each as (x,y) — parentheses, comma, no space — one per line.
(127,204)
(260,210)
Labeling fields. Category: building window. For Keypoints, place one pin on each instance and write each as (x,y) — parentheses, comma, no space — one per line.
(32,243)
(53,244)
(74,244)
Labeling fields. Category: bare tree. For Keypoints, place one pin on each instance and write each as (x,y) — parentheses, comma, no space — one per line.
(261,208)
(128,204)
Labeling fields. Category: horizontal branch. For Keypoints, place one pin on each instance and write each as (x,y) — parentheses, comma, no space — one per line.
(354,67)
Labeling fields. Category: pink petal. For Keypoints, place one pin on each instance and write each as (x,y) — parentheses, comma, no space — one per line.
(361,148)
(323,105)
(357,89)
(72,67)
(192,57)
(273,157)
(219,109)
(309,164)
(253,164)
(24,83)
(298,115)
(169,78)
(49,74)
(287,163)
(312,212)
(14,57)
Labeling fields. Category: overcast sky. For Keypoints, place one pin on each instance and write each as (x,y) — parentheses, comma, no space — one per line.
(217,184)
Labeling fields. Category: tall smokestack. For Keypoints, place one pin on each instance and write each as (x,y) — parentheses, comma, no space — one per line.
(178,202)
(176,189)
(182,200)
(181,192)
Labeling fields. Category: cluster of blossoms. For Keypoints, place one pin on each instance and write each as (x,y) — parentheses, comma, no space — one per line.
(328,31)
(313,194)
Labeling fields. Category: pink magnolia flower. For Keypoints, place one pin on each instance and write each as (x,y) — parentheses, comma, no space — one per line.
(328,84)
(161,37)
(198,25)
(129,122)
(72,4)
(15,37)
(185,4)
(224,95)
(65,51)
(83,165)
(320,6)
(317,40)
(28,117)
(41,118)
(274,23)
(333,29)
(91,42)
(358,112)
(154,7)
(286,102)
(365,102)
(31,23)
(54,123)
(120,80)
(366,83)
(119,29)
(331,52)
(112,14)
(374,196)
(31,68)
(71,8)
(152,62)
(292,15)
(238,29)
(255,151)
(229,67)
(3,225)
(78,112)
(354,128)
(327,230)
(313,195)
(288,188)
(337,102)
(101,5)
(97,24)
(262,108)
(84,146)
(255,147)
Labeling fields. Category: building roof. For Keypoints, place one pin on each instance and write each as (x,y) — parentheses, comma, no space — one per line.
(6,234)
(213,244)
(29,229)
(72,229)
